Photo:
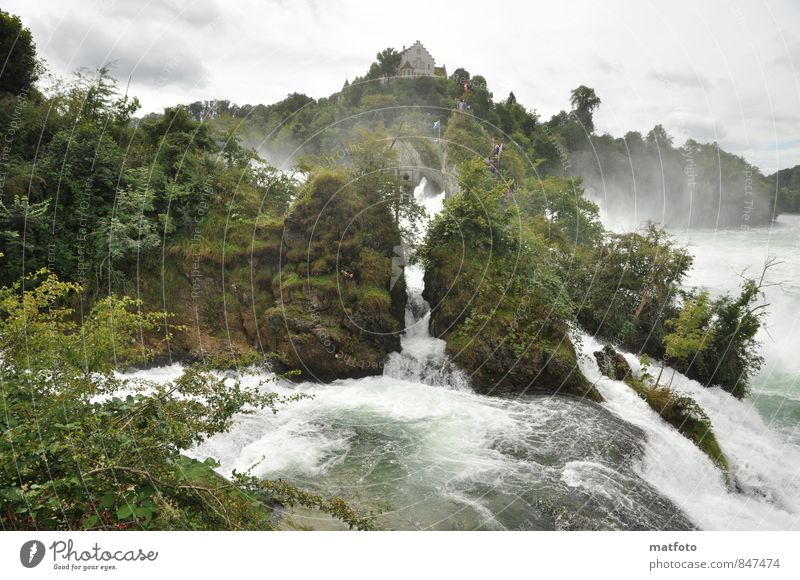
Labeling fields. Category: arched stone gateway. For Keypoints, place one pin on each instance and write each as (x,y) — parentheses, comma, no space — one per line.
(412,168)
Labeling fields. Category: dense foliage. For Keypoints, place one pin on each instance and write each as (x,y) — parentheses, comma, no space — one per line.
(84,448)
(20,67)
(714,341)
(183,210)
(628,285)
(100,191)
(338,311)
(501,303)
(786,182)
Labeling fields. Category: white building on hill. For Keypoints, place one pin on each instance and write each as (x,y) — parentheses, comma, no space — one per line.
(416,61)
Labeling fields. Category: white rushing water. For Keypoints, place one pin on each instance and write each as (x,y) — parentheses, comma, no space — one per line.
(720,257)
(418,446)
(423,358)
(764,468)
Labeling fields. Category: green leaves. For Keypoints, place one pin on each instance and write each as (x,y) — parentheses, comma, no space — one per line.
(691,334)
(18,53)
(138,506)
(124,512)
(715,341)
(584,101)
(635,279)
(84,456)
(91,522)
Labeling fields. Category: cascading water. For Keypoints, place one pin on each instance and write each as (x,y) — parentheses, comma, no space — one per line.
(423,357)
(763,469)
(719,258)
(418,446)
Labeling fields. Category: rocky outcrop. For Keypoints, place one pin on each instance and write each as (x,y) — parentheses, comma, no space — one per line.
(420,158)
(337,313)
(500,355)
(313,292)
(497,368)
(680,411)
(612,364)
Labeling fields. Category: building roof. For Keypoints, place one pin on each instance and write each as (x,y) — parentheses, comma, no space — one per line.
(408,58)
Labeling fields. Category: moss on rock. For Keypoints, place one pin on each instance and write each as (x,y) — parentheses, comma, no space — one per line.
(334,314)
(496,297)
(680,411)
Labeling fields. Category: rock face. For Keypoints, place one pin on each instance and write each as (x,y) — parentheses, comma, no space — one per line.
(418,158)
(337,313)
(612,364)
(316,292)
(500,359)
(497,369)
(680,411)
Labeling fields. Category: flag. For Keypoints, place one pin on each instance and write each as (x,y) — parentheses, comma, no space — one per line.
(436,125)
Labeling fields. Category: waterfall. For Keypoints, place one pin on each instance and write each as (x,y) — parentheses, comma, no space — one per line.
(764,469)
(423,358)
(422,449)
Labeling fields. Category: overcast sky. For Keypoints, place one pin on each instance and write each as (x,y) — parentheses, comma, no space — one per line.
(720,70)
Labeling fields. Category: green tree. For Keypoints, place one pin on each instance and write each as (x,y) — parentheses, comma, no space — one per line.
(386,65)
(634,279)
(715,342)
(584,101)
(19,67)
(460,75)
(735,346)
(479,98)
(690,333)
(561,202)
(129,232)
(85,449)
(658,137)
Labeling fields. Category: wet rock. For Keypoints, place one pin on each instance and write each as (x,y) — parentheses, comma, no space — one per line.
(612,364)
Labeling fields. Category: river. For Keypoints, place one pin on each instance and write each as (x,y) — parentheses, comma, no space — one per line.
(417,447)
(720,257)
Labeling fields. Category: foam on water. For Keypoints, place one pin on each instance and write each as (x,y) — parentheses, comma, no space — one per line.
(417,445)
(719,259)
(763,467)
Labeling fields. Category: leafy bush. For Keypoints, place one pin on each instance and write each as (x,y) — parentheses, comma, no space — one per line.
(627,286)
(715,342)
(83,448)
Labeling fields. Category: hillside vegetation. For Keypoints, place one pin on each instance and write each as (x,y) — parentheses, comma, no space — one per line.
(275,235)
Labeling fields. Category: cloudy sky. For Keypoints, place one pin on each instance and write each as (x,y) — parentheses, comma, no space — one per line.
(713,70)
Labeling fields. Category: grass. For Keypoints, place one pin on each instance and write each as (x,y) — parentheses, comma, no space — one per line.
(376,300)
(683,413)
